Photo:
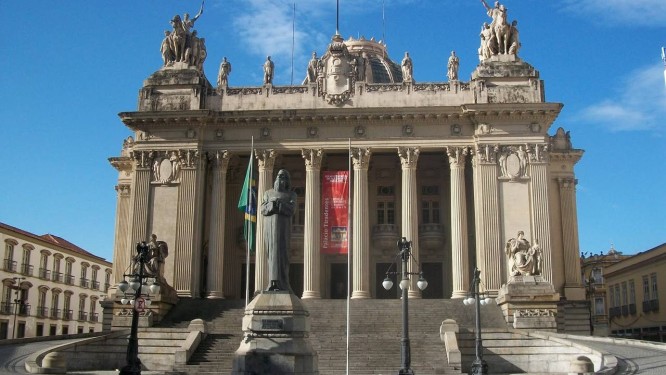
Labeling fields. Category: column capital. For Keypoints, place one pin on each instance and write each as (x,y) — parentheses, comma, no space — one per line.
(312,158)
(219,159)
(537,153)
(266,158)
(123,190)
(142,159)
(457,156)
(486,153)
(360,157)
(567,182)
(409,156)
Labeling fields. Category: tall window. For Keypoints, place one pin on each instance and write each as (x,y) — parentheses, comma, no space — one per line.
(107,280)
(624,293)
(26,268)
(84,275)
(42,310)
(599,308)
(598,276)
(613,303)
(82,307)
(93,308)
(94,284)
(430,210)
(385,205)
(646,288)
(67,306)
(69,278)
(55,302)
(632,292)
(43,265)
(298,218)
(9,264)
(617,295)
(653,280)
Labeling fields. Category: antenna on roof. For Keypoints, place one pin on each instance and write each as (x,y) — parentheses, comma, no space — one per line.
(293,38)
(663,58)
(337,18)
(383,23)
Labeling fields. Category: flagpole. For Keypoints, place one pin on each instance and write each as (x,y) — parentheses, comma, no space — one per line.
(349,250)
(248,224)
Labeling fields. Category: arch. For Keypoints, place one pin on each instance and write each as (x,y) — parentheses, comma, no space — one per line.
(45,252)
(43,288)
(11,241)
(70,259)
(68,293)
(83,295)
(95,267)
(85,264)
(58,256)
(28,246)
(8,281)
(56,291)
(25,285)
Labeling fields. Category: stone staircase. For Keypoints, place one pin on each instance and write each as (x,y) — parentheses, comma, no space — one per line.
(514,352)
(376,327)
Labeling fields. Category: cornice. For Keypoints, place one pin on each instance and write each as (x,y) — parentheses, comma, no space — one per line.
(572,156)
(483,113)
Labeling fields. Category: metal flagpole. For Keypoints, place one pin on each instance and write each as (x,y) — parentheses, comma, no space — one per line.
(293,39)
(247,230)
(349,250)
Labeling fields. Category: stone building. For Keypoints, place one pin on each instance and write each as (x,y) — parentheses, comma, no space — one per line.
(456,167)
(49,286)
(634,287)
(593,268)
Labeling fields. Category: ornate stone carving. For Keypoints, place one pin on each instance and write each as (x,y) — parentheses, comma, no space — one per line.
(409,156)
(457,156)
(431,87)
(382,87)
(223,74)
(538,153)
(312,158)
(219,159)
(142,159)
(289,89)
(513,162)
(526,313)
(123,190)
(269,71)
(407,68)
(360,157)
(499,37)
(524,259)
(561,141)
(266,158)
(567,183)
(339,73)
(486,153)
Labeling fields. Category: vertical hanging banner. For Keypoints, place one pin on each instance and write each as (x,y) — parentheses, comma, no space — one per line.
(334,212)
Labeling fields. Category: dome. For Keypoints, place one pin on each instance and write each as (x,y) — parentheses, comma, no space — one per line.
(383,69)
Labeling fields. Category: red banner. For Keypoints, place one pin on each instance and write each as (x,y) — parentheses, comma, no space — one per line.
(334,212)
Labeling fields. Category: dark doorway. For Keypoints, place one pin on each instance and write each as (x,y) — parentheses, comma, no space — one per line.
(4,330)
(40,330)
(338,280)
(296,278)
(241,295)
(52,330)
(20,333)
(382,293)
(432,272)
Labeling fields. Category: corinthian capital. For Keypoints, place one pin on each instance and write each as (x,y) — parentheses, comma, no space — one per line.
(266,158)
(409,156)
(219,159)
(360,157)
(457,156)
(567,183)
(142,159)
(312,157)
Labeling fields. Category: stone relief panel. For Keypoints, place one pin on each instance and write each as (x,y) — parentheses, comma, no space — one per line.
(166,167)
(524,259)
(513,162)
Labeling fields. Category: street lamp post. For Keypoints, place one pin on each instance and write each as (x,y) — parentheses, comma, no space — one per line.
(590,299)
(404,252)
(17,302)
(136,284)
(479,366)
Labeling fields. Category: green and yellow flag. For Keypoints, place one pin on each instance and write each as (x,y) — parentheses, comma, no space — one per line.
(248,204)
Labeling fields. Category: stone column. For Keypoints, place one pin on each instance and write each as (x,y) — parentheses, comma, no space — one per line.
(266,162)
(139,198)
(187,264)
(409,157)
(459,243)
(540,211)
(121,256)
(490,257)
(361,225)
(214,273)
(572,276)
(311,258)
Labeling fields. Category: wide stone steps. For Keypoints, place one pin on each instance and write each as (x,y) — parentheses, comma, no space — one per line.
(375,326)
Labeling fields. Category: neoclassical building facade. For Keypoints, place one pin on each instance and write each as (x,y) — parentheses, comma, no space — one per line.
(49,286)
(456,167)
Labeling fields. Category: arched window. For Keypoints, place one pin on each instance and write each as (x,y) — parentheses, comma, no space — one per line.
(42,310)
(67,306)
(82,306)
(44,272)
(26,267)
(57,274)
(55,303)
(8,263)
(69,277)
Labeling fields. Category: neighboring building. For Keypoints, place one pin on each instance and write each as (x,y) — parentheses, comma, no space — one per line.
(49,286)
(593,270)
(456,167)
(636,286)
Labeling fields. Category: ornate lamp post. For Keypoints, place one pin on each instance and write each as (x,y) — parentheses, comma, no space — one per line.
(138,287)
(479,366)
(590,298)
(18,302)
(404,251)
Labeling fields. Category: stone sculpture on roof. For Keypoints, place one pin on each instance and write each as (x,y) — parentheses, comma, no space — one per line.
(452,67)
(223,75)
(340,71)
(181,45)
(499,37)
(407,68)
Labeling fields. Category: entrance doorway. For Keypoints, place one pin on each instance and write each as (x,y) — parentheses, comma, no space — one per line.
(433,273)
(338,280)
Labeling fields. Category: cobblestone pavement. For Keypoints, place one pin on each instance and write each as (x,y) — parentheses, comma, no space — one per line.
(632,359)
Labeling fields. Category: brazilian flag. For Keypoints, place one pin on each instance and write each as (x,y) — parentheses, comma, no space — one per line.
(248,204)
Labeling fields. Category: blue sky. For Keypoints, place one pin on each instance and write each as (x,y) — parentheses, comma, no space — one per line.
(68,68)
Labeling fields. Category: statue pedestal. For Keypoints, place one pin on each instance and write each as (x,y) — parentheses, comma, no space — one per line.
(275,331)
(159,307)
(529,302)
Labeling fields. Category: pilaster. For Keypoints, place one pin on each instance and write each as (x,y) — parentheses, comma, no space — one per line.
(219,162)
(490,257)
(121,256)
(187,265)
(139,203)
(409,157)
(573,286)
(361,225)
(459,242)
(266,163)
(540,212)
(311,257)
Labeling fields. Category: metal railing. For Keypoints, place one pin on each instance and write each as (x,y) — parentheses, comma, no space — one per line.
(94,317)
(26,269)
(57,277)
(42,312)
(106,287)
(23,308)
(84,283)
(83,315)
(9,265)
(94,285)
(69,279)
(55,313)
(6,308)
(44,274)
(67,314)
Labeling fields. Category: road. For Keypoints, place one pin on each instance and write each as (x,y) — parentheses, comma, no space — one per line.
(632,359)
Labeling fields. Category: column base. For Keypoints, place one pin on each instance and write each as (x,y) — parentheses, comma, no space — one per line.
(360,294)
(215,295)
(457,294)
(414,294)
(311,294)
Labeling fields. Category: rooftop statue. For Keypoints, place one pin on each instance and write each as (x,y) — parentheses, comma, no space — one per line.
(269,70)
(498,37)
(407,68)
(223,75)
(277,207)
(452,67)
(182,44)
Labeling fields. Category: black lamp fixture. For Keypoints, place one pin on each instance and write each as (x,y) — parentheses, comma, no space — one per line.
(405,252)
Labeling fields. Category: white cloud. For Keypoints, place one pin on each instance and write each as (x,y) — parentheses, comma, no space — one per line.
(639,105)
(625,12)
